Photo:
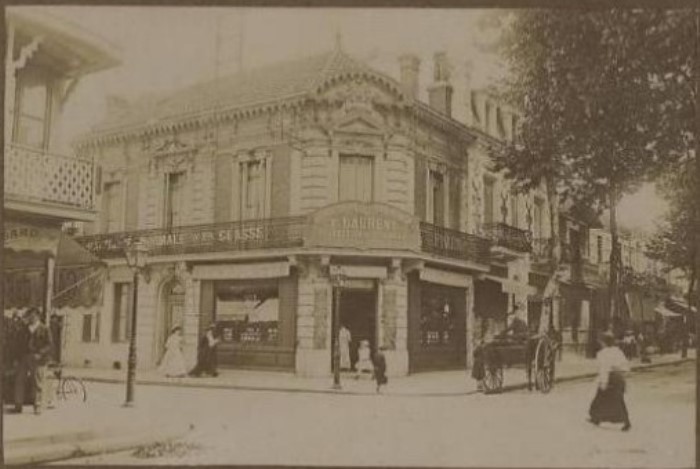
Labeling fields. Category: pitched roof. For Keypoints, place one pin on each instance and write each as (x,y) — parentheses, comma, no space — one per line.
(265,84)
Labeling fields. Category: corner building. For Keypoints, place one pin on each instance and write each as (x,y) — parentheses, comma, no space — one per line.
(248,189)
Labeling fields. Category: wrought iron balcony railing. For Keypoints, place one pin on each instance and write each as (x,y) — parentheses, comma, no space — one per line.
(453,243)
(266,234)
(508,237)
(36,175)
(235,236)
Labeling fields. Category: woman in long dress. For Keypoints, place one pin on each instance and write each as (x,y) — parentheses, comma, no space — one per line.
(173,363)
(609,402)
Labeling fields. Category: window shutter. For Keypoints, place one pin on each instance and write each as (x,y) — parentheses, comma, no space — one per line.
(132,201)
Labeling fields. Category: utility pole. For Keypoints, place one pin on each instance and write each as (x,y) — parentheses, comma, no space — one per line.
(696,88)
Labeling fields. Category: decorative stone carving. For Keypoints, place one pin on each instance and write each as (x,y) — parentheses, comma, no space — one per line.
(320,318)
(173,156)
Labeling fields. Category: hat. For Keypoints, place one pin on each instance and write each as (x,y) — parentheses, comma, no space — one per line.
(211,326)
(608,338)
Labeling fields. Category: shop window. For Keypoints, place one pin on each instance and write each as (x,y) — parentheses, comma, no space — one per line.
(174,201)
(121,318)
(248,314)
(32,109)
(91,327)
(438,319)
(356,178)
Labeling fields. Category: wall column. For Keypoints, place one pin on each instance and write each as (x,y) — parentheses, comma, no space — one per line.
(470,332)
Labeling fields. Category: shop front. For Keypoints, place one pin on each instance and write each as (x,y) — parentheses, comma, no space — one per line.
(437,318)
(254,317)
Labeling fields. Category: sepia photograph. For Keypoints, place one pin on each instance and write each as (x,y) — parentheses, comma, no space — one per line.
(358,236)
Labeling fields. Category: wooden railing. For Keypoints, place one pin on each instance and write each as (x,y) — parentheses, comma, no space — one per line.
(452,243)
(34,174)
(235,236)
(508,237)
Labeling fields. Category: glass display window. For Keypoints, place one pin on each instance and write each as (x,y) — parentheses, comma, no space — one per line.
(248,313)
(438,318)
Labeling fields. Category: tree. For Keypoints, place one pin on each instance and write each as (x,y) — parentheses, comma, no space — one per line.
(604,93)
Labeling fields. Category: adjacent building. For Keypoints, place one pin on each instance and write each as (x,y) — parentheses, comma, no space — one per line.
(45,60)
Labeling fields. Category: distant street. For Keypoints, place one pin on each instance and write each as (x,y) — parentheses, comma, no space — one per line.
(512,429)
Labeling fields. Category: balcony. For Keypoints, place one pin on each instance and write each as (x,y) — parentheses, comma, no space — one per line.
(48,184)
(508,237)
(268,233)
(454,244)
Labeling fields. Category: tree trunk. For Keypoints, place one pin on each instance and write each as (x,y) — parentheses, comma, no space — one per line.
(615,261)
(554,251)
(685,332)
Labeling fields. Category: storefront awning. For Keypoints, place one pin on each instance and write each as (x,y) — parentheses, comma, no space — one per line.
(667,313)
(683,306)
(640,307)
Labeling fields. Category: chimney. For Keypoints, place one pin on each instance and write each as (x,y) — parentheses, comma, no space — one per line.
(440,92)
(410,67)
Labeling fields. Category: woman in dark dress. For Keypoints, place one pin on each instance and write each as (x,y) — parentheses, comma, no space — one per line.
(379,362)
(609,402)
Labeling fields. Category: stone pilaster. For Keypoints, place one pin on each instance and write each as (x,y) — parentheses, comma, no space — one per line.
(314,310)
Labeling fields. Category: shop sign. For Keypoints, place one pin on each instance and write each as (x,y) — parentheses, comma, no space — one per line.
(25,237)
(363,226)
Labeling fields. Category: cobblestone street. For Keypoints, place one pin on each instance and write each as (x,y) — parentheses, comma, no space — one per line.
(516,428)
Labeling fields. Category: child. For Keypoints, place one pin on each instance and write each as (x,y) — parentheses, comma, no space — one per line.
(364,362)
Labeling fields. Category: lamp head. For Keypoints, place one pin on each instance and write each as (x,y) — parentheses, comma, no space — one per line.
(136,255)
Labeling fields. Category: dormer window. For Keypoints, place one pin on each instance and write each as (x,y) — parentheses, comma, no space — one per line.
(32,106)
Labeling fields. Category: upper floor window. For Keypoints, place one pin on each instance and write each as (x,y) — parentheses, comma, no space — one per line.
(32,109)
(253,189)
(436,198)
(489,193)
(539,218)
(112,207)
(599,249)
(174,201)
(514,210)
(356,178)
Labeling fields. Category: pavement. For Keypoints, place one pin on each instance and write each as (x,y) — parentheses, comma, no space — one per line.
(102,425)
(436,383)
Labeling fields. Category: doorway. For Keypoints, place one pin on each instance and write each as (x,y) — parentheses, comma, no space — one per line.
(173,312)
(358,313)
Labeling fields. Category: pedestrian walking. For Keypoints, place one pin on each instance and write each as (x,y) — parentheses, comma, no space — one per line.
(206,356)
(34,358)
(478,369)
(379,362)
(344,340)
(364,361)
(609,402)
(172,364)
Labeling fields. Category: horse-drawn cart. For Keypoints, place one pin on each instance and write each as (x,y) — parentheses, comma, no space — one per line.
(537,354)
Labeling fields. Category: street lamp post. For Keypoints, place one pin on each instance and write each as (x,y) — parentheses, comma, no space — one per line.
(136,257)
(337,276)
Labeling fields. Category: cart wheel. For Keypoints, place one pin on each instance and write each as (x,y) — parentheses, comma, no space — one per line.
(73,389)
(493,381)
(544,366)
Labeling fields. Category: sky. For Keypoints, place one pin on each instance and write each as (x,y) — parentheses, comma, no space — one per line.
(165,48)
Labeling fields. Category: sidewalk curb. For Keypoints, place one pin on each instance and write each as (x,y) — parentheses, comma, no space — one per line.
(510,387)
(21,451)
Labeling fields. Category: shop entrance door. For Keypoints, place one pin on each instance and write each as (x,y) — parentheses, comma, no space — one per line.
(358,313)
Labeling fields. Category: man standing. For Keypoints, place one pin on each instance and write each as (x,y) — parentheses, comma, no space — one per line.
(33,362)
